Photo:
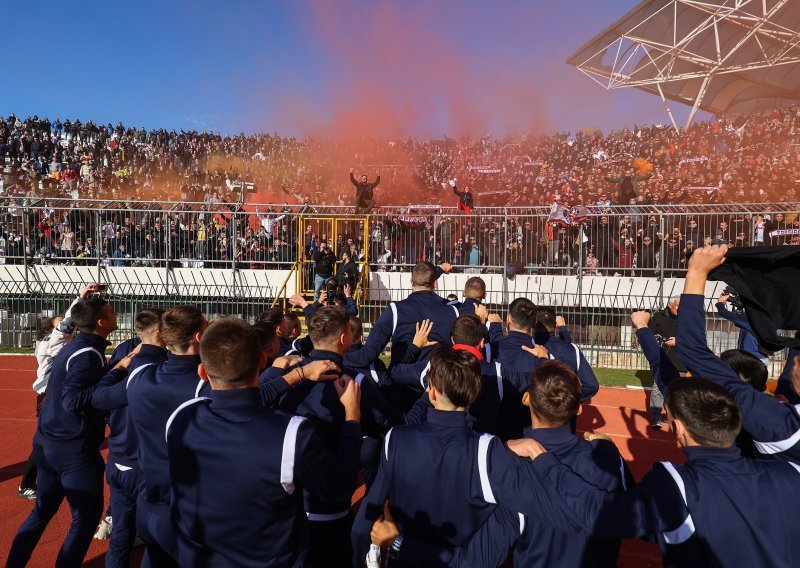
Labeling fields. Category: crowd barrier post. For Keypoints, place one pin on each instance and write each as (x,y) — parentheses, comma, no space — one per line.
(661,258)
(580,266)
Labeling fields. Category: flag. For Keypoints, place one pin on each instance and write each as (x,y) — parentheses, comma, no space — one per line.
(559,213)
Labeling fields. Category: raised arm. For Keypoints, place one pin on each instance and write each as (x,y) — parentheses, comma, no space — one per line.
(772,424)
(737,318)
(662,368)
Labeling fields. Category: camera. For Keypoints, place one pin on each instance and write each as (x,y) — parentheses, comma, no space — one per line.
(332,291)
(734,298)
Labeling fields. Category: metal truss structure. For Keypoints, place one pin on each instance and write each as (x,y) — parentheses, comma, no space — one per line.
(723,57)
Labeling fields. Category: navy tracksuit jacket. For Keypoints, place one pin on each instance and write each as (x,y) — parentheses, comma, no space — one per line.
(122,468)
(718,509)
(238,471)
(397,323)
(569,354)
(773,425)
(444,503)
(785,380)
(66,448)
(496,404)
(536,542)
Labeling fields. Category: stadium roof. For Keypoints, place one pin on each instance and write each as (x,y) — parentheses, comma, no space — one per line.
(724,57)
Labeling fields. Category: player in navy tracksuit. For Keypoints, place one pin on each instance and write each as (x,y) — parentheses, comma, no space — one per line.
(785,387)
(293,331)
(250,513)
(68,437)
(498,399)
(464,478)
(773,425)
(509,350)
(474,294)
(554,401)
(397,323)
(564,350)
(122,467)
(332,334)
(710,511)
(152,397)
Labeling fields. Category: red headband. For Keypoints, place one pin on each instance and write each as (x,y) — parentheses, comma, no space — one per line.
(469,349)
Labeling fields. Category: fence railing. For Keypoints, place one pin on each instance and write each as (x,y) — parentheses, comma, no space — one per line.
(233,260)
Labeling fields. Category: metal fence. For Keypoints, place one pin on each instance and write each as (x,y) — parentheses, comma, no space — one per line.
(231,259)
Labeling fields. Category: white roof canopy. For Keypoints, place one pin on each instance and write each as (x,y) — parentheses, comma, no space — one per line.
(724,57)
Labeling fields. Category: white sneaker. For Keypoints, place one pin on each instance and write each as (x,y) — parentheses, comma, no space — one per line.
(103,529)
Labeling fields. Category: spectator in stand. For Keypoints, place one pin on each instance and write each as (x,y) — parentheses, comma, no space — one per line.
(364,189)
(648,246)
(625,254)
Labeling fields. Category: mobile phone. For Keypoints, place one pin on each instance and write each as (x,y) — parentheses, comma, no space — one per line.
(102,287)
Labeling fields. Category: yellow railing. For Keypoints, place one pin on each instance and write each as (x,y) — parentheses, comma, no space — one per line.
(282,291)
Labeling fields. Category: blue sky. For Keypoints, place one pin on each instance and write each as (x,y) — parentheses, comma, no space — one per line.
(361,67)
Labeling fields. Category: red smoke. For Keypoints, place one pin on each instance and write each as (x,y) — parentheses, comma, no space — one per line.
(401,69)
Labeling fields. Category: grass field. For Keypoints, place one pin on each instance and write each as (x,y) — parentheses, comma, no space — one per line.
(607,377)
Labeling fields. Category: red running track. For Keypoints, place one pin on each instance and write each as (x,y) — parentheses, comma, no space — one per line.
(621,413)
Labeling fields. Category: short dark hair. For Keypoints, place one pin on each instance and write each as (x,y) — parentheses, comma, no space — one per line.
(292,323)
(475,287)
(358,328)
(749,367)
(468,330)
(179,325)
(86,312)
(455,374)
(273,315)
(546,316)
(147,319)
(423,274)
(522,312)
(708,411)
(230,352)
(555,393)
(267,333)
(327,323)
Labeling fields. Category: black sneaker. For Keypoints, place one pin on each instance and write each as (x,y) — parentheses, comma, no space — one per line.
(656,425)
(27,493)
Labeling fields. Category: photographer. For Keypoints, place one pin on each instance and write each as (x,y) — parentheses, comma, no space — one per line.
(664,325)
(747,340)
(324,261)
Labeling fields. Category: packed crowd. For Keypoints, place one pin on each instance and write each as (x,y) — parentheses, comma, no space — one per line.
(234,444)
(751,158)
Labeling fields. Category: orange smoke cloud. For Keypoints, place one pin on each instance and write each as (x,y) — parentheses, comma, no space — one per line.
(398,71)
